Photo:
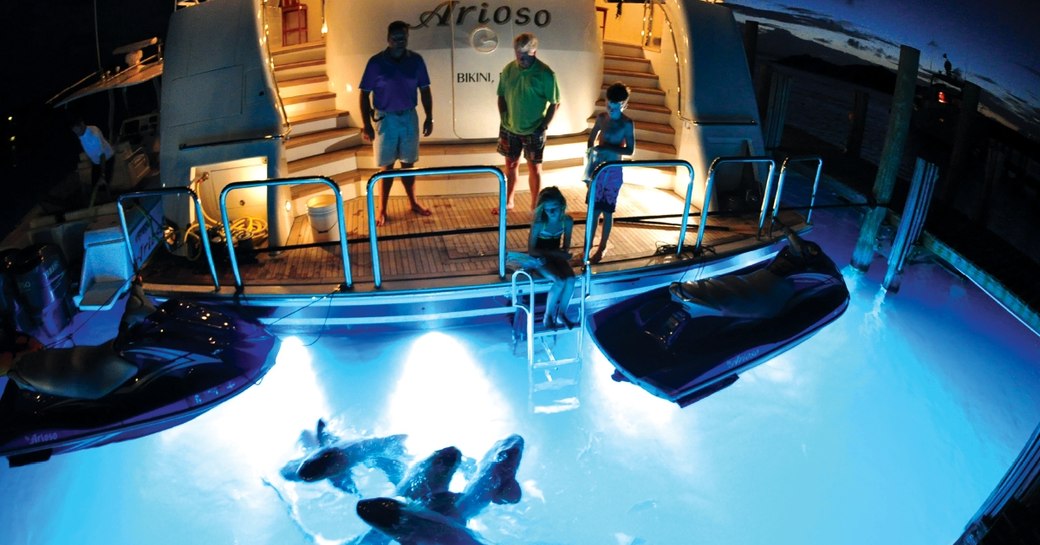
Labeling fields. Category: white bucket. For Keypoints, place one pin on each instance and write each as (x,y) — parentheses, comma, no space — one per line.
(321,211)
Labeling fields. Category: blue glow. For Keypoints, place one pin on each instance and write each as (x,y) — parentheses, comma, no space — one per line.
(892,424)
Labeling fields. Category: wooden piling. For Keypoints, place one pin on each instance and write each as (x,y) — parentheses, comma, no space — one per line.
(891,154)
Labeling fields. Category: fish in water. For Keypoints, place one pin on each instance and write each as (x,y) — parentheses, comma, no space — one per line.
(411,523)
(430,476)
(428,514)
(335,459)
(495,480)
(427,483)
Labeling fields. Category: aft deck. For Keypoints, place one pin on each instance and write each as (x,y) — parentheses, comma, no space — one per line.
(458,244)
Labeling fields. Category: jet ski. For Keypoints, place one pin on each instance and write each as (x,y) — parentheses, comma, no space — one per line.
(163,369)
(688,340)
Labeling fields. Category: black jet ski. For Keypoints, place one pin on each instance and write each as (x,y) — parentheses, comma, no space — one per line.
(688,340)
(165,368)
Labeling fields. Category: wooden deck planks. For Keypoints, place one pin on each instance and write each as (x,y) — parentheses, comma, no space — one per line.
(417,247)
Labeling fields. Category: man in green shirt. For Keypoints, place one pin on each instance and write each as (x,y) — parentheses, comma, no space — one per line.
(527,99)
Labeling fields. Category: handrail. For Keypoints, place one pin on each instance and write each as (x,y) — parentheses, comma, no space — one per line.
(590,217)
(347,280)
(679,112)
(270,65)
(737,160)
(161,193)
(515,299)
(215,143)
(816,183)
(377,275)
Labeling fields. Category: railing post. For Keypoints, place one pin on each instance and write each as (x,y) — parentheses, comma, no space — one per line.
(198,214)
(589,227)
(377,275)
(347,279)
(783,175)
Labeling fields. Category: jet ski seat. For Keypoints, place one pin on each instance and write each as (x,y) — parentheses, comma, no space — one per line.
(82,372)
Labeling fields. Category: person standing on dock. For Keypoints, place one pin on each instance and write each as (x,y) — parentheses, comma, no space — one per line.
(388,100)
(528,96)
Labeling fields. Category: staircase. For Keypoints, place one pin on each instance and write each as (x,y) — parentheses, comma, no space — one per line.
(326,142)
(655,137)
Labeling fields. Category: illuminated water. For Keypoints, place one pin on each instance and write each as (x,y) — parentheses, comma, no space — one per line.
(891,425)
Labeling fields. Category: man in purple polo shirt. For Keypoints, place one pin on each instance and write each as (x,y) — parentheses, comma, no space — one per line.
(392,77)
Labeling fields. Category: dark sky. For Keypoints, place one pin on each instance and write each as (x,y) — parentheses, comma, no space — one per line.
(994,43)
(49,44)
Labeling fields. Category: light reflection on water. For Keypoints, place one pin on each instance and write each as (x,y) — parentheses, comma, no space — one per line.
(899,418)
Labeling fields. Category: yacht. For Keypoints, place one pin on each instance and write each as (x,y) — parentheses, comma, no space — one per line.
(260,138)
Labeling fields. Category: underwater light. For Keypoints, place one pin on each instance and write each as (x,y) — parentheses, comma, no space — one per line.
(443,398)
(261,423)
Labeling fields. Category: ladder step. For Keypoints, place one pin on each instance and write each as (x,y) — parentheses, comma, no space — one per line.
(555,363)
(554,384)
(557,406)
(542,332)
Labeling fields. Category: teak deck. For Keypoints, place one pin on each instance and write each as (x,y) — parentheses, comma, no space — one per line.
(460,239)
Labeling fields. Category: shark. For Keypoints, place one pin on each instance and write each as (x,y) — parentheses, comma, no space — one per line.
(333,459)
(411,523)
(495,480)
(427,484)
(426,513)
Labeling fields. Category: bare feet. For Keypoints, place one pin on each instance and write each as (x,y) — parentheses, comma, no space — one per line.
(509,207)
(381,219)
(597,256)
(562,321)
(421,210)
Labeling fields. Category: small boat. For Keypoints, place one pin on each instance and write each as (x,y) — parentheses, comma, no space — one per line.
(168,367)
(688,340)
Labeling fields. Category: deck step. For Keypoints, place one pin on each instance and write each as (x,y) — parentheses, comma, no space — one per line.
(321,142)
(317,121)
(313,102)
(622,49)
(628,64)
(328,164)
(300,69)
(290,54)
(642,95)
(632,79)
(303,86)
(353,183)
(638,111)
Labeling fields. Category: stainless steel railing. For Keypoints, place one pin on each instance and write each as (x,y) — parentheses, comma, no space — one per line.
(166,192)
(347,279)
(590,217)
(440,171)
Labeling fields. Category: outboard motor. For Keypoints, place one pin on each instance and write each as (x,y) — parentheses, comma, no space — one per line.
(12,311)
(43,287)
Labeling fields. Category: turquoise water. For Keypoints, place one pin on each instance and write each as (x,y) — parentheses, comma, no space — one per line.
(893,424)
